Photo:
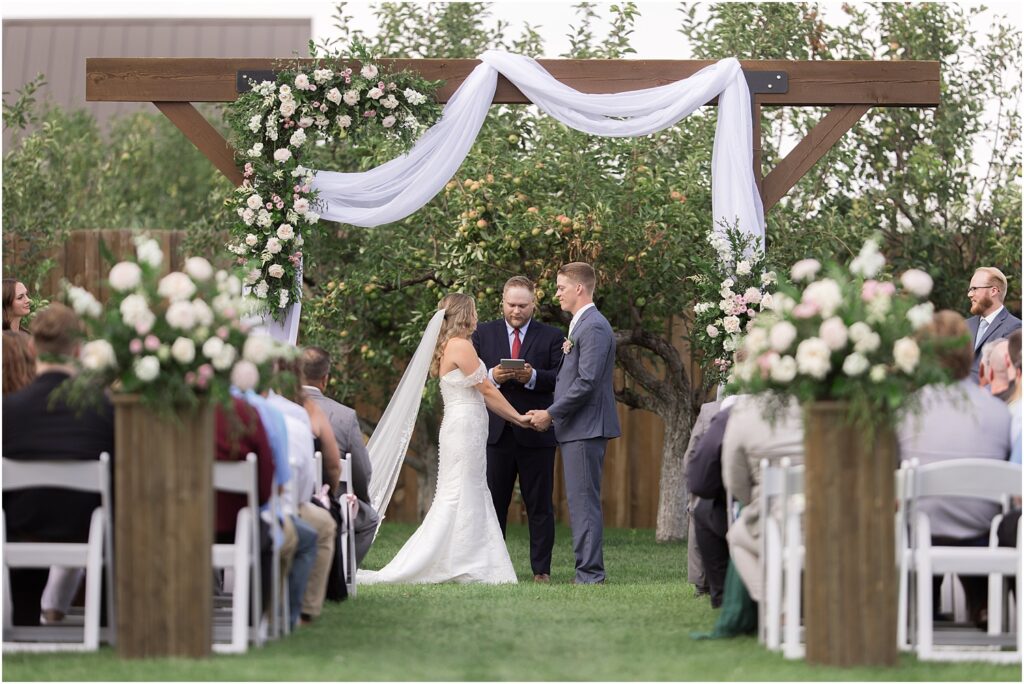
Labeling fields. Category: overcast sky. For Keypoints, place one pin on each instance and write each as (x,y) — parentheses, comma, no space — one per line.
(655,37)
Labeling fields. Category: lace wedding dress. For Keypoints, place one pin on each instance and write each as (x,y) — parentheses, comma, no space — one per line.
(459,540)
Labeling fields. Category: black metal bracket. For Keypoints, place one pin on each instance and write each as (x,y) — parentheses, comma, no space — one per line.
(767,81)
(244,77)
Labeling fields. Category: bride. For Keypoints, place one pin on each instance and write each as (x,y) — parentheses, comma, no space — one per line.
(459,540)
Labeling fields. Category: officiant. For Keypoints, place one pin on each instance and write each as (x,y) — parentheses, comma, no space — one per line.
(522,356)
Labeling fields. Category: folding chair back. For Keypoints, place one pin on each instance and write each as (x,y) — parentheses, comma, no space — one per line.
(347,536)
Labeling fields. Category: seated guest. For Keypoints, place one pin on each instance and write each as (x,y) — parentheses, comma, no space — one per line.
(710,517)
(990,319)
(749,437)
(1013,353)
(19,361)
(957,421)
(17,305)
(993,369)
(316,367)
(301,449)
(36,428)
(695,571)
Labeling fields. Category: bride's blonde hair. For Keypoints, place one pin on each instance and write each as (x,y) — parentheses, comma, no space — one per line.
(459,312)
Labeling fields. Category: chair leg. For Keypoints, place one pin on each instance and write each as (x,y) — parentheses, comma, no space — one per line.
(793,568)
(240,593)
(996,601)
(93,582)
(773,594)
(903,603)
(924,607)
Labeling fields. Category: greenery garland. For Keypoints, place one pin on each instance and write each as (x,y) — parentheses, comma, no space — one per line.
(312,102)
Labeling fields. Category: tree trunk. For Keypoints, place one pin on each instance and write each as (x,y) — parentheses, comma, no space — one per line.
(672,521)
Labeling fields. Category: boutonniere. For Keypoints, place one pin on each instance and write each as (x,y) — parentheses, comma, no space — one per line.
(567,345)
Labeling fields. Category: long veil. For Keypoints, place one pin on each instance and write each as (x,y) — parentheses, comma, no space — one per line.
(388,444)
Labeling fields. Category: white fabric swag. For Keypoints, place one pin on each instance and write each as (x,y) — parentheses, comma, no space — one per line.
(400,187)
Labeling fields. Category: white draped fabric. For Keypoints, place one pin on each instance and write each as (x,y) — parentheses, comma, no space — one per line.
(400,187)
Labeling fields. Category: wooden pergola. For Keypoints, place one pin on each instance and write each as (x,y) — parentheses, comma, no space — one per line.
(849,88)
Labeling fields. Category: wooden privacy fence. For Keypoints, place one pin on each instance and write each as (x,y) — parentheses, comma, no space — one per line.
(632,463)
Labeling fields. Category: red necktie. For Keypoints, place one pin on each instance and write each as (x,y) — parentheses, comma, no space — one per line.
(515,343)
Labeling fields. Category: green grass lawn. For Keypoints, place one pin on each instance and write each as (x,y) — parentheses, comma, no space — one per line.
(636,627)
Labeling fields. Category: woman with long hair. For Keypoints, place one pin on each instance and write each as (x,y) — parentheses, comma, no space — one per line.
(460,539)
(19,361)
(17,305)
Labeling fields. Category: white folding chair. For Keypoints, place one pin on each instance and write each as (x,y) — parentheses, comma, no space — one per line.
(242,557)
(318,471)
(971,478)
(347,538)
(781,503)
(87,476)
(280,620)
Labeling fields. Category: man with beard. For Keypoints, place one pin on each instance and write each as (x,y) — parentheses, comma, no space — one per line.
(991,320)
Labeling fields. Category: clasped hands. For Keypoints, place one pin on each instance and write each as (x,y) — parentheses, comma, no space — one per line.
(539,420)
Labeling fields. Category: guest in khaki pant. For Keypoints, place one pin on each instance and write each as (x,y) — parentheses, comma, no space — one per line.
(326,533)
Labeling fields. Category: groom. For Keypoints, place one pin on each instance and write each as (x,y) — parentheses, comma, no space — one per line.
(583,414)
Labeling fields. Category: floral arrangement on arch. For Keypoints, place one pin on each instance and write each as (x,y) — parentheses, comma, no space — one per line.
(734,290)
(310,103)
(173,339)
(846,334)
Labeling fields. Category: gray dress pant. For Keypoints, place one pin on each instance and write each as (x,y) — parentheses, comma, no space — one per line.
(582,463)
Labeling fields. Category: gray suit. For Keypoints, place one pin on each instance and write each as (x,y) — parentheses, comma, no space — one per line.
(349,437)
(1003,324)
(584,419)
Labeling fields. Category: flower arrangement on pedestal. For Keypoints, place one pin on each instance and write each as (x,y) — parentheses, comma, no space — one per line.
(310,103)
(735,289)
(846,334)
(173,339)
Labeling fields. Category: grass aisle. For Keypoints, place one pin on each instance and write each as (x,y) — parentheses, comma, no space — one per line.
(636,627)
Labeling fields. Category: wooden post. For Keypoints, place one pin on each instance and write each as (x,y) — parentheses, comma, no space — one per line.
(850,569)
(163,531)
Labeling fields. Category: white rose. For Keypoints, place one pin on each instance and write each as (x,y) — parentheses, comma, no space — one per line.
(783,369)
(183,350)
(125,276)
(264,218)
(865,340)
(285,90)
(833,331)
(369,71)
(84,303)
(199,268)
(767,302)
(213,346)
(301,205)
(149,252)
(285,231)
(251,240)
(248,215)
(258,349)
(298,137)
(334,95)
(743,267)
(921,315)
(261,289)
(916,282)
(869,262)
(203,312)
(768,277)
(245,376)
(752,295)
(135,313)
(273,245)
(322,75)
(825,294)
(305,122)
(301,81)
(729,343)
(731,324)
(287,108)
(906,354)
(782,335)
(254,202)
(224,359)
(98,355)
(275,271)
(805,269)
(756,341)
(390,102)
(181,315)
(712,331)
(351,97)
(343,121)
(147,368)
(252,276)
(374,93)
(387,121)
(878,373)
(728,283)
(813,357)
(855,364)
(282,154)
(176,286)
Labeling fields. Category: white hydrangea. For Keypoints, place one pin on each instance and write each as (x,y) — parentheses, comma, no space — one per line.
(805,269)
(414,97)
(768,278)
(855,364)
(181,315)
(83,302)
(176,286)
(825,294)
(224,359)
(282,299)
(198,268)
(255,122)
(921,315)
(869,262)
(783,369)
(781,336)
(213,346)
(743,267)
(148,252)
(98,355)
(261,289)
(389,102)
(147,368)
(906,354)
(245,376)
(813,357)
(183,350)
(298,137)
(203,312)
(135,313)
(833,332)
(256,150)
(258,349)
(125,276)
(917,282)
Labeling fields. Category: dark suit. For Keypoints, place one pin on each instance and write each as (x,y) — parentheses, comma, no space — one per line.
(33,432)
(514,451)
(710,519)
(1003,324)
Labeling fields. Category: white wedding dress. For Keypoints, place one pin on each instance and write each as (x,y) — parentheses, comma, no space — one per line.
(459,540)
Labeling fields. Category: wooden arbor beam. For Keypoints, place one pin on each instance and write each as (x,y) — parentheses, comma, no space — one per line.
(851,87)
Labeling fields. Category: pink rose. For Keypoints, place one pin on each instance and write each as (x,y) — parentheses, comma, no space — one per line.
(152,343)
(135,346)
(190,378)
(805,310)
(222,332)
(206,371)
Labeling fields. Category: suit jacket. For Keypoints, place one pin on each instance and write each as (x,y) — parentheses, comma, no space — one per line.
(33,431)
(584,406)
(1004,324)
(541,347)
(707,412)
(957,421)
(704,471)
(345,424)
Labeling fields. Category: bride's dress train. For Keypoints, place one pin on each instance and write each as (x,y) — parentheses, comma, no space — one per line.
(459,540)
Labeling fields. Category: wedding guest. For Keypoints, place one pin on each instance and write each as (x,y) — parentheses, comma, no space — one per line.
(19,360)
(695,570)
(512,451)
(17,305)
(993,370)
(37,426)
(749,437)
(990,319)
(316,368)
(957,421)
(1013,353)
